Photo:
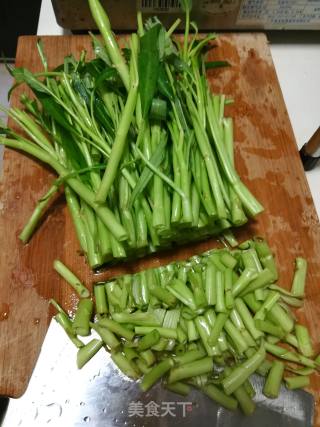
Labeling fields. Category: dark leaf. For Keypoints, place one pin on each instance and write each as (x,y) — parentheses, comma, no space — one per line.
(100,111)
(166,46)
(179,65)
(216,64)
(110,76)
(158,110)
(156,159)
(99,49)
(73,153)
(102,116)
(164,85)
(22,75)
(69,64)
(148,65)
(127,54)
(54,110)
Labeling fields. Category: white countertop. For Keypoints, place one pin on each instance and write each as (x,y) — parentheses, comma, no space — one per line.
(297,62)
(296,57)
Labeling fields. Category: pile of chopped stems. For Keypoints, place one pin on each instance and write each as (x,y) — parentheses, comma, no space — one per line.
(140,144)
(209,322)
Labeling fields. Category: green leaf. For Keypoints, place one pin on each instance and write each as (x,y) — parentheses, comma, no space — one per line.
(99,49)
(186,5)
(109,76)
(216,64)
(164,85)
(102,116)
(73,153)
(148,67)
(158,110)
(53,109)
(156,159)
(41,54)
(179,64)
(166,46)
(22,75)
(69,64)
(84,87)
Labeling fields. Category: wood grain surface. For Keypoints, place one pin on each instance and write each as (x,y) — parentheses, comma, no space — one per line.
(266,157)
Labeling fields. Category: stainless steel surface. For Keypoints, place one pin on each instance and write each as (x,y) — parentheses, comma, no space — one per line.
(209,14)
(100,396)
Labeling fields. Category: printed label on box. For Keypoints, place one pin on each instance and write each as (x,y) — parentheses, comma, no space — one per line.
(219,6)
(279,13)
(159,6)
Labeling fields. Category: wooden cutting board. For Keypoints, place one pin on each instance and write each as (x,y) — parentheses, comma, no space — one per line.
(267,159)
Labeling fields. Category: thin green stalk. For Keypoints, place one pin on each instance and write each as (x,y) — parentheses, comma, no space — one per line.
(192,369)
(107,336)
(101,19)
(247,319)
(192,331)
(142,366)
(210,284)
(190,356)
(273,382)
(236,337)
(86,352)
(266,256)
(173,27)
(149,340)
(218,327)
(126,366)
(267,305)
(300,381)
(217,395)
(123,128)
(246,277)
(263,279)
(130,353)
(229,300)
(220,302)
(243,371)
(73,281)
(74,210)
(163,332)
(204,332)
(37,214)
(82,317)
(291,356)
(178,388)
(304,340)
(64,321)
(269,328)
(155,374)
(116,328)
(148,357)
(182,293)
(299,278)
(279,316)
(137,318)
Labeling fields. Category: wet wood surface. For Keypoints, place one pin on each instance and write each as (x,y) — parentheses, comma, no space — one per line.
(267,160)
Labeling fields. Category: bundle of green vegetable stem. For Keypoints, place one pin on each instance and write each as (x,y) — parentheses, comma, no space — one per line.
(140,144)
(207,323)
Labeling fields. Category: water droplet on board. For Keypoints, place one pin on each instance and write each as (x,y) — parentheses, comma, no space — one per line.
(36,321)
(104,410)
(86,419)
(4,311)
(82,403)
